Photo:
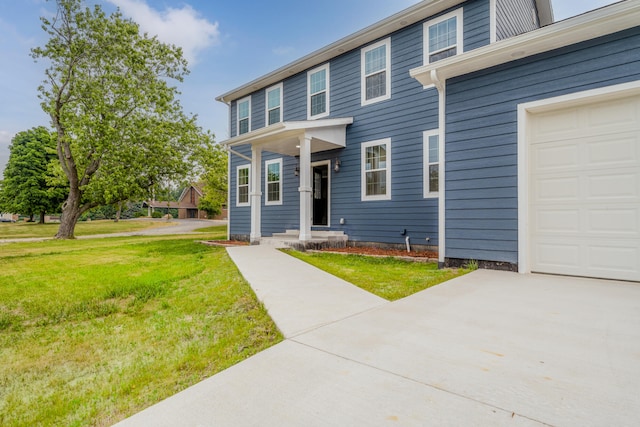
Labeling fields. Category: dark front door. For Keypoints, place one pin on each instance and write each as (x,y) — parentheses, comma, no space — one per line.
(320,195)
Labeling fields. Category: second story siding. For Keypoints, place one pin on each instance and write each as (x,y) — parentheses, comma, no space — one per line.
(514,17)
(407,50)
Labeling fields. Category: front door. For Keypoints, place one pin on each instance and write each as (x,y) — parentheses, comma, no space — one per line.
(320,196)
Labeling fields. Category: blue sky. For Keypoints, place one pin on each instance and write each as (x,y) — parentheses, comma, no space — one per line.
(228,43)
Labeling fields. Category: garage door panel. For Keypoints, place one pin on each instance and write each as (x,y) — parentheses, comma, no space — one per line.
(557,188)
(584,190)
(617,150)
(621,112)
(622,222)
(555,220)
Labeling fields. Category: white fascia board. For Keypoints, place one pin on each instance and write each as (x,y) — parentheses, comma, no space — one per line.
(280,128)
(416,13)
(598,23)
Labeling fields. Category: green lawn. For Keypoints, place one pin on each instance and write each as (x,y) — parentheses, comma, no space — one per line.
(92,331)
(30,229)
(387,277)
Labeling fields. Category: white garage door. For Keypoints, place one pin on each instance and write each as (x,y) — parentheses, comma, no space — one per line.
(584,194)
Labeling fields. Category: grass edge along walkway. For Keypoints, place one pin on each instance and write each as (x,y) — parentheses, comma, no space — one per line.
(95,331)
(387,277)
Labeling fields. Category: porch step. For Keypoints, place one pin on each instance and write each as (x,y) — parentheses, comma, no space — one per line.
(319,239)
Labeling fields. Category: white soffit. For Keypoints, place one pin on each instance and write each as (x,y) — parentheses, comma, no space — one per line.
(600,22)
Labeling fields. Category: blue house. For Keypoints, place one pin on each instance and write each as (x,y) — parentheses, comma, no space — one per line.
(480,128)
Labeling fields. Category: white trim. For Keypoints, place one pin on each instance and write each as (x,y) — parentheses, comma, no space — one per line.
(598,23)
(240,101)
(266,182)
(328,164)
(426,163)
(458,14)
(363,78)
(544,105)
(229,186)
(493,21)
(327,92)
(266,104)
(248,185)
(363,176)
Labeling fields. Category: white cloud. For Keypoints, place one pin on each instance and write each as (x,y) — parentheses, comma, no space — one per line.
(183,27)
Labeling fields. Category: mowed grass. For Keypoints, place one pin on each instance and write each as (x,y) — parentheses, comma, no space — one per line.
(29,229)
(92,331)
(387,277)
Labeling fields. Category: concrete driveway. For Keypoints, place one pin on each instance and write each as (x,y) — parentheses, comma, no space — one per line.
(489,348)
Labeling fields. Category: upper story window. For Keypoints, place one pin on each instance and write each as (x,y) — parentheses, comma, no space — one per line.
(376,170)
(318,92)
(244,115)
(431,163)
(242,187)
(376,72)
(274,104)
(443,37)
(273,182)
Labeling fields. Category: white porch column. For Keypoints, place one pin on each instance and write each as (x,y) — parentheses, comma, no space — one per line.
(305,188)
(256,194)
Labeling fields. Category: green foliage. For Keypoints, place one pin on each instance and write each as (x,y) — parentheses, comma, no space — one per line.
(213,159)
(29,186)
(156,214)
(471,265)
(120,128)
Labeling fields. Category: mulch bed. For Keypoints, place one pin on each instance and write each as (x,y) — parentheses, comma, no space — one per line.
(380,252)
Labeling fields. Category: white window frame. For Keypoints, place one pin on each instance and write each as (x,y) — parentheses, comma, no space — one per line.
(363,177)
(266,104)
(363,76)
(427,162)
(267,163)
(327,91)
(248,185)
(458,14)
(238,102)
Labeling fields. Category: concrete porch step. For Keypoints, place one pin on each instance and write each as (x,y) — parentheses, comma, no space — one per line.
(319,239)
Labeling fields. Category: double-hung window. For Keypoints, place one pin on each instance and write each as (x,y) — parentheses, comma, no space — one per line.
(376,170)
(273,182)
(274,104)
(318,92)
(375,63)
(242,187)
(431,163)
(443,37)
(244,115)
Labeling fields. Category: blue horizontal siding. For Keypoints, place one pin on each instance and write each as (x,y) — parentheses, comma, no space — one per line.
(481,135)
(403,118)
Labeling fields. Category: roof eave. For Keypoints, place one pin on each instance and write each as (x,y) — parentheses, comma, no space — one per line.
(404,18)
(598,23)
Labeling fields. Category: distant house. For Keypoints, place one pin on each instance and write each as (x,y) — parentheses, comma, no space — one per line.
(480,127)
(187,205)
(8,217)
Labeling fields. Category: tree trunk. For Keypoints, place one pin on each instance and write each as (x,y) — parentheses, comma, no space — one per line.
(31,217)
(42,217)
(71,211)
(119,211)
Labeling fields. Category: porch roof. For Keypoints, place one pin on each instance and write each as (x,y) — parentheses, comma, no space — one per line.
(284,137)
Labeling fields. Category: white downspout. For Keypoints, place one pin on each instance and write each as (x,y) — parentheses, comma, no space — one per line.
(440,85)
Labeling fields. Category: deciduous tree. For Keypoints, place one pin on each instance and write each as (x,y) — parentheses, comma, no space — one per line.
(29,185)
(119,126)
(213,159)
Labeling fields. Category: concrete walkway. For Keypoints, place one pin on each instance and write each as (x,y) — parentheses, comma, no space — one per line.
(487,349)
(174,226)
